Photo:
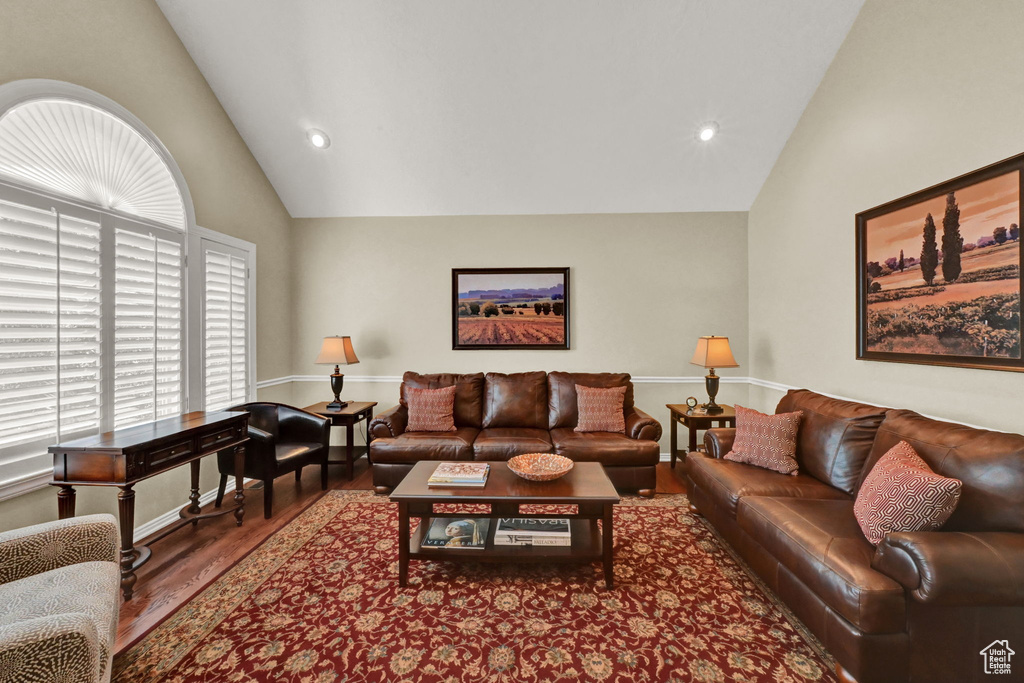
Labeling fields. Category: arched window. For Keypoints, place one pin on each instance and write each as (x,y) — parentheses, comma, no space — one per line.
(95,219)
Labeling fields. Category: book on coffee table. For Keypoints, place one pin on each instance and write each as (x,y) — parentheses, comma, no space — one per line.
(533,531)
(459,474)
(455,532)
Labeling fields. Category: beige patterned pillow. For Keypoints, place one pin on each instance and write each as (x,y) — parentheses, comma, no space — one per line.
(767,441)
(431,410)
(600,409)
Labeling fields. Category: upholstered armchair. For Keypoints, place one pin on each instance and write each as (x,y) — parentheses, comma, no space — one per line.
(282,439)
(59,601)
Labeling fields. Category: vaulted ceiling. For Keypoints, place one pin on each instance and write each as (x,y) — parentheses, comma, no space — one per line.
(476,107)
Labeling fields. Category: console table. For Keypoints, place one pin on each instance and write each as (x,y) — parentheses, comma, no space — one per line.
(124,457)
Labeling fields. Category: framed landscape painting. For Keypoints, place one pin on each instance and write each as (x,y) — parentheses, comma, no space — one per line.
(938,273)
(510,308)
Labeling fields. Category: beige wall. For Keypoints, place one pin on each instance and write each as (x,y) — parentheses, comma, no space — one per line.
(643,288)
(126,50)
(920,92)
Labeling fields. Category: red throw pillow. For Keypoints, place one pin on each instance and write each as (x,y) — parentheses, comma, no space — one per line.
(901,493)
(767,441)
(430,410)
(600,409)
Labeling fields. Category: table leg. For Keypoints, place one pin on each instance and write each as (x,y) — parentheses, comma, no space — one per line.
(194,495)
(239,479)
(693,439)
(349,448)
(369,419)
(403,544)
(606,547)
(126,518)
(673,420)
(66,502)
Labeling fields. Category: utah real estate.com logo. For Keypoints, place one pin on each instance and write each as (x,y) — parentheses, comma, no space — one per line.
(997,657)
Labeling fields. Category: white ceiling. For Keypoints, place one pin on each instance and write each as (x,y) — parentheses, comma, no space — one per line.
(476,107)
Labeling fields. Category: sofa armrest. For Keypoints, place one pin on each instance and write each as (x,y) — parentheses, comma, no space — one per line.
(718,441)
(390,423)
(295,424)
(640,425)
(956,568)
(40,548)
(60,647)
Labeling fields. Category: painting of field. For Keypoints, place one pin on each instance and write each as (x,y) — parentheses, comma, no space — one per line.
(942,275)
(520,308)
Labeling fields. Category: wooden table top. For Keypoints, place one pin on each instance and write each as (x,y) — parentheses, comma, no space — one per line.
(587,482)
(352,408)
(682,409)
(121,439)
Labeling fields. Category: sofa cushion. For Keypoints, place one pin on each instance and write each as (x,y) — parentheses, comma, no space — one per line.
(516,400)
(501,443)
(726,482)
(562,401)
(835,436)
(767,441)
(600,410)
(990,465)
(416,446)
(469,393)
(91,589)
(607,448)
(431,410)
(820,543)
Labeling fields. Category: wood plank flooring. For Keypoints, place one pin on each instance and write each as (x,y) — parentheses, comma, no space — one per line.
(190,559)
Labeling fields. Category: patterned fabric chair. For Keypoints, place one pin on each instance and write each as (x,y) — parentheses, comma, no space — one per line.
(59,601)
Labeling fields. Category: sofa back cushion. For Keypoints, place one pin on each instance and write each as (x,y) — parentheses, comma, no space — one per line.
(469,393)
(990,465)
(835,436)
(562,407)
(516,400)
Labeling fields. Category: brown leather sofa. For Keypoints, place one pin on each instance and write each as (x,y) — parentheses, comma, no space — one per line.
(499,415)
(919,607)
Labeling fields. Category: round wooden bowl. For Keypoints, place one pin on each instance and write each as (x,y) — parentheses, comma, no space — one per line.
(540,466)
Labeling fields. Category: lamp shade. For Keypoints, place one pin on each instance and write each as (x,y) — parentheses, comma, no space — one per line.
(714,352)
(337,351)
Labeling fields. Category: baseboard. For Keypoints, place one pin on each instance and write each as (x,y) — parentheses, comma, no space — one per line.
(170,517)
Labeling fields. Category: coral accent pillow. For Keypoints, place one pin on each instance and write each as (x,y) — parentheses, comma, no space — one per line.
(767,441)
(431,410)
(600,409)
(901,493)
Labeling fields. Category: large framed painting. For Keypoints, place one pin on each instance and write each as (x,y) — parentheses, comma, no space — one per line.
(510,308)
(938,273)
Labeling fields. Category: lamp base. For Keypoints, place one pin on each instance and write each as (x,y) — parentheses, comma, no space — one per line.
(713,409)
(336,405)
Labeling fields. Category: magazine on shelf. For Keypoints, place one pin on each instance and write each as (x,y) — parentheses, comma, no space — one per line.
(457,532)
(460,474)
(529,539)
(533,526)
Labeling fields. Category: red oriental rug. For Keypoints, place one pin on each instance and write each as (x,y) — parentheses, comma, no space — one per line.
(319,602)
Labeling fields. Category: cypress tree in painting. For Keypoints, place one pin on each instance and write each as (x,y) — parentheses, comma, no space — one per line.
(902,263)
(952,241)
(929,252)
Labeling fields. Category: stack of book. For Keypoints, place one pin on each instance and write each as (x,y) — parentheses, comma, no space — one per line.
(533,531)
(459,474)
(452,532)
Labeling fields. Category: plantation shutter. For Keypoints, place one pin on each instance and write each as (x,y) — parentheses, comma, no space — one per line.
(225,326)
(148,345)
(50,333)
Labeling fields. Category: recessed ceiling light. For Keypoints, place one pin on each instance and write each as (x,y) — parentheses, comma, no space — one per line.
(318,138)
(707,131)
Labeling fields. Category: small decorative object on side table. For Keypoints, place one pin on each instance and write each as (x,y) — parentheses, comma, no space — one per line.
(713,352)
(339,351)
(352,413)
(694,420)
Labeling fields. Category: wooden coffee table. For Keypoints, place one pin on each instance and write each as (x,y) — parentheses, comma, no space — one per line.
(586,486)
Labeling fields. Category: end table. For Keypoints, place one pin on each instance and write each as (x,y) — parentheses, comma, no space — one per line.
(348,416)
(696,421)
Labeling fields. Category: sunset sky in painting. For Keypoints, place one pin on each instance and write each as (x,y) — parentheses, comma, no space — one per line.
(983,208)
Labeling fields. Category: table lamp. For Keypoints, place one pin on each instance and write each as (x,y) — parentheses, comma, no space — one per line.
(713,352)
(337,350)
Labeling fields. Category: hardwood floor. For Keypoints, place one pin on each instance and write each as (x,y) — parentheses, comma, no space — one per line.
(189,560)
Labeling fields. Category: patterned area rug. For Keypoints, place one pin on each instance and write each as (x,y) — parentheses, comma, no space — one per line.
(319,602)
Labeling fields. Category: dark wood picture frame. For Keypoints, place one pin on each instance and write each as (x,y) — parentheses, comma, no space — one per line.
(527,312)
(976,332)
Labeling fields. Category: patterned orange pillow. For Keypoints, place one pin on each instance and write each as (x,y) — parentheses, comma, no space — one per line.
(901,493)
(767,441)
(430,410)
(600,409)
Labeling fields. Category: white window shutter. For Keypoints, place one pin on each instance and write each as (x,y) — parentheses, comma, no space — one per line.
(225,325)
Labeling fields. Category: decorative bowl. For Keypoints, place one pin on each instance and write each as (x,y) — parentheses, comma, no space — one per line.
(540,466)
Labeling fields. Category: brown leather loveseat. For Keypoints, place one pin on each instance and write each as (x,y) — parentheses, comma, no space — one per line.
(919,607)
(500,415)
